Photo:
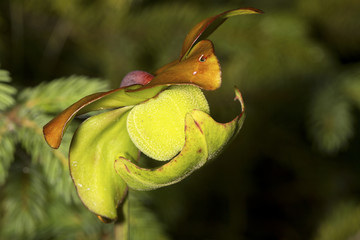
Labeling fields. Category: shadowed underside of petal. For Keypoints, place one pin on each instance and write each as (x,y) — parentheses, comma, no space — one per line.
(206,27)
(54,130)
(204,140)
(192,156)
(94,148)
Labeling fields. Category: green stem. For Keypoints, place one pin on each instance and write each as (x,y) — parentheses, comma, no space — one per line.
(121,226)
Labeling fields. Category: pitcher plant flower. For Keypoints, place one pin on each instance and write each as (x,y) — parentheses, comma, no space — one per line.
(165,116)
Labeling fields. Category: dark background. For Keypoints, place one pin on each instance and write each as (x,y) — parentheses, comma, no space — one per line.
(292,172)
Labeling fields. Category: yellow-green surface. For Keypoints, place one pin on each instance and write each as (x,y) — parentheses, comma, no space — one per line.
(157,126)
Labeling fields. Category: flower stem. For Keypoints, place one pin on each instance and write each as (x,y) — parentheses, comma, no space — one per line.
(121,226)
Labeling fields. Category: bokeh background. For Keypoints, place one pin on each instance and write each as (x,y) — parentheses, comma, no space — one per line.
(292,172)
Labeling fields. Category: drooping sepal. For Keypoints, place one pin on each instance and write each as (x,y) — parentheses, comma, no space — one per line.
(55,129)
(94,148)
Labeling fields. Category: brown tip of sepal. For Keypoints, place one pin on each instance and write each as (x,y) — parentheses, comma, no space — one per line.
(51,137)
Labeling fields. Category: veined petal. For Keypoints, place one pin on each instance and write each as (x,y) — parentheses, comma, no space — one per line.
(95,146)
(204,140)
(55,129)
(193,155)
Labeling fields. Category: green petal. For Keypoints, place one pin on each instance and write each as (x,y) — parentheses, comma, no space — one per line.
(193,155)
(219,134)
(94,148)
(204,140)
(55,129)
(206,27)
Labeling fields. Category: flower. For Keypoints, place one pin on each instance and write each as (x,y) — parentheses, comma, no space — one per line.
(165,116)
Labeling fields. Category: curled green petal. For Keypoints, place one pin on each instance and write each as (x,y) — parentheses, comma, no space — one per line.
(94,148)
(193,155)
(204,140)
(217,135)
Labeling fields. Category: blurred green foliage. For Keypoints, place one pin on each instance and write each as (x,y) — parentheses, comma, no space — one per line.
(342,223)
(295,160)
